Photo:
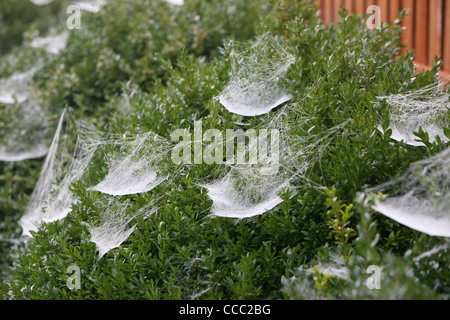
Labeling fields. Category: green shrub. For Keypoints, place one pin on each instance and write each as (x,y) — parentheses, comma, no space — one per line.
(139,66)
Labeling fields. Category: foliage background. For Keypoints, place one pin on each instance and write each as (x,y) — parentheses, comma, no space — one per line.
(175,58)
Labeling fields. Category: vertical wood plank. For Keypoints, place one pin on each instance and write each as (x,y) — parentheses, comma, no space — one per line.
(326,11)
(339,3)
(446,58)
(349,5)
(360,7)
(370,3)
(337,9)
(408,25)
(435,30)
(319,3)
(394,9)
(426,28)
(421,31)
(384,7)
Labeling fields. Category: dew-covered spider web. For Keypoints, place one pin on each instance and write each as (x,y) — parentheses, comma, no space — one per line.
(175,2)
(134,165)
(53,43)
(111,227)
(25,127)
(69,156)
(434,251)
(256,82)
(26,124)
(335,268)
(278,159)
(246,189)
(420,199)
(244,193)
(16,88)
(41,2)
(426,108)
(25,131)
(93,6)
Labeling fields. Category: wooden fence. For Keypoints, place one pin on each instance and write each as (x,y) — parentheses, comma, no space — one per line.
(426,28)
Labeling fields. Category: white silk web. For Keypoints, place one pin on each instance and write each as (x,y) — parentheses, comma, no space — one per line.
(41,2)
(175,2)
(24,131)
(16,88)
(255,84)
(134,167)
(93,6)
(420,199)
(70,153)
(52,43)
(112,227)
(276,157)
(426,108)
(240,194)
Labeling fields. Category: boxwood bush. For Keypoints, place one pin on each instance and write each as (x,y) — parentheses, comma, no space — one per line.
(138,66)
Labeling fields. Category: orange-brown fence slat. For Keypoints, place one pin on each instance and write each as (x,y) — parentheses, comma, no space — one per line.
(421,31)
(394,9)
(446,58)
(435,30)
(371,3)
(337,9)
(384,7)
(321,4)
(326,11)
(349,6)
(360,7)
(426,28)
(408,25)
